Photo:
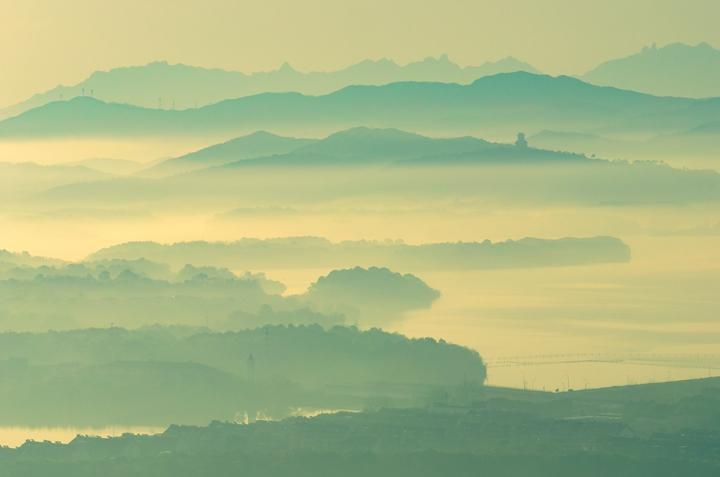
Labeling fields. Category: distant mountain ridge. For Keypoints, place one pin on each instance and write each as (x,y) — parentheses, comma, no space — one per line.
(178,86)
(676,69)
(507,102)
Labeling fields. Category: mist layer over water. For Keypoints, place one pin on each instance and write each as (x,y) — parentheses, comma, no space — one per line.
(663,303)
(653,319)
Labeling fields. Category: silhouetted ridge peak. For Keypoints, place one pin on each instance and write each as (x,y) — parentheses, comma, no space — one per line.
(678,47)
(85,100)
(444,58)
(521,76)
(261,134)
(361,137)
(286,68)
(366,133)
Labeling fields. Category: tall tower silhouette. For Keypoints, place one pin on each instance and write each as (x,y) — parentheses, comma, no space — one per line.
(251,367)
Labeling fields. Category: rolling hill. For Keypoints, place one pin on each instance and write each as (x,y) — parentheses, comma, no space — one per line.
(364,146)
(503,104)
(258,144)
(394,166)
(27,178)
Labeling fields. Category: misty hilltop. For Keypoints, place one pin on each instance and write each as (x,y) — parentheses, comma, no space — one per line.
(170,375)
(369,164)
(257,144)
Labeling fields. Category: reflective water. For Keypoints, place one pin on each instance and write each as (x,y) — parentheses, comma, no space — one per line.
(13,436)
(654,319)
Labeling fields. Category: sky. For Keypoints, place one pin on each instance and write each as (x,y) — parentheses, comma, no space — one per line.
(48,42)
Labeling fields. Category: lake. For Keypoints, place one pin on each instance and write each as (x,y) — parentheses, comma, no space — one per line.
(14,436)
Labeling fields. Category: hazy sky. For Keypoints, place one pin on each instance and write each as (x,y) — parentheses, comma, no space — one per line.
(46,42)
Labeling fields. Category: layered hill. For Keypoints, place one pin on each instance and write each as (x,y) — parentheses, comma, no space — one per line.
(179,86)
(169,375)
(676,69)
(257,144)
(504,103)
(397,167)
(304,252)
